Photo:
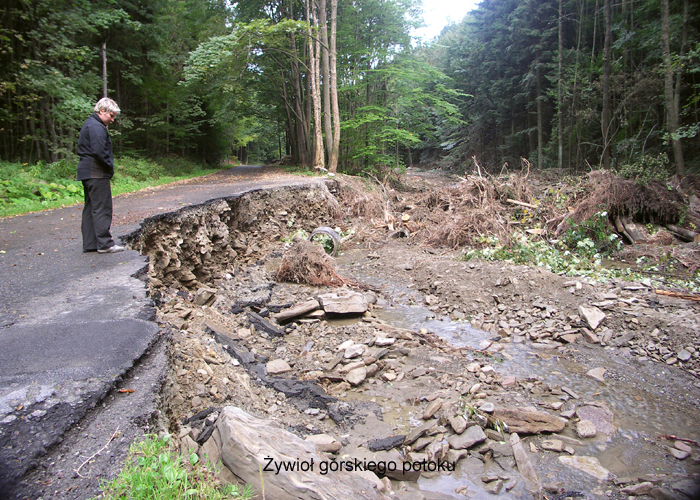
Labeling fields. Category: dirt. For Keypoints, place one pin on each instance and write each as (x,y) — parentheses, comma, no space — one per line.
(465,333)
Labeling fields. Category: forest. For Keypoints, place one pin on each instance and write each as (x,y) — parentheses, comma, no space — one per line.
(342,84)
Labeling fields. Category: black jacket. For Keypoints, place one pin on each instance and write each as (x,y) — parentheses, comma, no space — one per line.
(95,150)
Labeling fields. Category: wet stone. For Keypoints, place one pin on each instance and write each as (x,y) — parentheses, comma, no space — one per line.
(495,487)
(528,421)
(689,487)
(679,454)
(601,417)
(552,445)
(638,489)
(473,435)
(385,444)
(684,355)
(680,445)
(586,429)
(432,409)
(589,465)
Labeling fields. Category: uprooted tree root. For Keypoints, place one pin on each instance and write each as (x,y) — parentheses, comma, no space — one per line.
(470,211)
(308,263)
(652,203)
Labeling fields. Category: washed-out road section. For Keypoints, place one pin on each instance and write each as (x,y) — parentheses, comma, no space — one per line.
(75,328)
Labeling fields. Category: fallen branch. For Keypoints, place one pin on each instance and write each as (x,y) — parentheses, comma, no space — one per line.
(683,234)
(522,203)
(77,471)
(675,438)
(685,296)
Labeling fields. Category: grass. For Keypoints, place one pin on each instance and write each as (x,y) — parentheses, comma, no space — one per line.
(32,188)
(301,170)
(582,260)
(154,471)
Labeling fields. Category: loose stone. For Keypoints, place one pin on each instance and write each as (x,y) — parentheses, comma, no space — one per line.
(586,429)
(432,409)
(277,366)
(597,373)
(589,465)
(638,489)
(357,376)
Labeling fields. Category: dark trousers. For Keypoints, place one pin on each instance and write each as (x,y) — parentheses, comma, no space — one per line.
(97,215)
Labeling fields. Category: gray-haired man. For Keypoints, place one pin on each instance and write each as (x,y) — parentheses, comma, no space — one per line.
(95,170)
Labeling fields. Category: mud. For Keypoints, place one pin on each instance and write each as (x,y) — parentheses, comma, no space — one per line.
(466,333)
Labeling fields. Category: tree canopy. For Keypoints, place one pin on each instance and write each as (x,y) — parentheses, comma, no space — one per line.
(340,83)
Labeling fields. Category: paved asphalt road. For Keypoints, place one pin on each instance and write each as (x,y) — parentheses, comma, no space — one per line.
(73,325)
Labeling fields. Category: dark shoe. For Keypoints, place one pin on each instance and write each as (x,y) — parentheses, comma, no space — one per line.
(88,250)
(112,249)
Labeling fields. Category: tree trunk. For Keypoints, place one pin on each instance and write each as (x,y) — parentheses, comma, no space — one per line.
(540,125)
(560,105)
(605,120)
(315,74)
(327,125)
(333,164)
(104,68)
(672,110)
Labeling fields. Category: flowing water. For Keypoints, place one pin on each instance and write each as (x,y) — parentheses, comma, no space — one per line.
(648,400)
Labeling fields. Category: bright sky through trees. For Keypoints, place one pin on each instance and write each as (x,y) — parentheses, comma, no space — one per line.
(439,13)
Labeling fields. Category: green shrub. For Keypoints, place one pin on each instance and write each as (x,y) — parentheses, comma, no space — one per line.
(645,168)
(592,237)
(137,168)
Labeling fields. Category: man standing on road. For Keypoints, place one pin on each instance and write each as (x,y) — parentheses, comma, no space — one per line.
(95,170)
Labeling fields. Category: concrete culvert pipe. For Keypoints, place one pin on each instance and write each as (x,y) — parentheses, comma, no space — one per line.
(328,231)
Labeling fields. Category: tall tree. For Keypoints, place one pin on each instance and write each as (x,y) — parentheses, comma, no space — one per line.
(605,119)
(670,93)
(335,109)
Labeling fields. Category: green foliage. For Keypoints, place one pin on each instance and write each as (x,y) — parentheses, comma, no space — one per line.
(592,238)
(154,471)
(646,168)
(30,188)
(137,168)
(581,260)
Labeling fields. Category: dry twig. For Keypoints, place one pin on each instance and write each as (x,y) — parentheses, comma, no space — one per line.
(77,471)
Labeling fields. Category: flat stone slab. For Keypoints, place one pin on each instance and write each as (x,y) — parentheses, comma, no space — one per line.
(591,315)
(601,417)
(529,421)
(387,443)
(589,465)
(256,449)
(343,302)
(473,435)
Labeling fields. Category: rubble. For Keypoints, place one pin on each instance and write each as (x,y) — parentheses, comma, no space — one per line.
(324,361)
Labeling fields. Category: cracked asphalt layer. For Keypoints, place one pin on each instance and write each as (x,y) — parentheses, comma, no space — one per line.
(75,328)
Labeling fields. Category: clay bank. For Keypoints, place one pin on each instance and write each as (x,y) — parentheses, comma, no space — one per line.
(422,376)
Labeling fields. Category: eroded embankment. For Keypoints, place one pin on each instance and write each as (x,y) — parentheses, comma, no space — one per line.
(195,246)
(371,391)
